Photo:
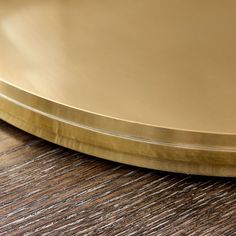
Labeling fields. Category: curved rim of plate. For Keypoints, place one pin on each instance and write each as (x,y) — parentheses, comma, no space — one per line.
(118,127)
(120,147)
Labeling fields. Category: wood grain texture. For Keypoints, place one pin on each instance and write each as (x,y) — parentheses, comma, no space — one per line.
(49,190)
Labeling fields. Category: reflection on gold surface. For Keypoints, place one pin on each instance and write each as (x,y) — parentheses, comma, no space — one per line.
(154,71)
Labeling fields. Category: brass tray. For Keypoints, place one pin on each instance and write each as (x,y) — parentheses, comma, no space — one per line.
(150,83)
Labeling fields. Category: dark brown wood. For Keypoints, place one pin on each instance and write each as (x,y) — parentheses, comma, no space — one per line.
(49,190)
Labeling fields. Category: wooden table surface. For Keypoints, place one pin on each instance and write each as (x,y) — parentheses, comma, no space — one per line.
(49,190)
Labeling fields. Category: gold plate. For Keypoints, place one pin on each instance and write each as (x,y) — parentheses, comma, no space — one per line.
(150,83)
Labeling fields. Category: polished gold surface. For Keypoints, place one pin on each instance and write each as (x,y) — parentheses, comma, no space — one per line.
(144,82)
